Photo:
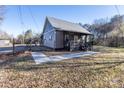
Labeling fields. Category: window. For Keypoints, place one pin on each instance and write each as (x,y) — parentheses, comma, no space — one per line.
(51,36)
(66,37)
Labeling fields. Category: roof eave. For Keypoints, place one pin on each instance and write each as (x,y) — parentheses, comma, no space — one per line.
(58,29)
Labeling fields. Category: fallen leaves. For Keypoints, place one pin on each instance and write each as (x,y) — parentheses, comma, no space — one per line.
(101,70)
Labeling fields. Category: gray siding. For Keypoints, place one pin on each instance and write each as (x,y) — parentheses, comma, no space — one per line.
(49,35)
(48,27)
(59,39)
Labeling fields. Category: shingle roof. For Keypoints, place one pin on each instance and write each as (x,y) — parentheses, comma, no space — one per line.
(62,25)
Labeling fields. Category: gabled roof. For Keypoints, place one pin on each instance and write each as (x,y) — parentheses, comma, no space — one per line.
(63,25)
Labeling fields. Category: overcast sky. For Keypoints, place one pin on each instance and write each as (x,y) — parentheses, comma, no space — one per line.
(76,14)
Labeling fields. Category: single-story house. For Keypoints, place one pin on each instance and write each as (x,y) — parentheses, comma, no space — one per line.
(4,42)
(59,34)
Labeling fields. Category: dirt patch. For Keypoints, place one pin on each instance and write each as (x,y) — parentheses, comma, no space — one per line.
(4,57)
(9,57)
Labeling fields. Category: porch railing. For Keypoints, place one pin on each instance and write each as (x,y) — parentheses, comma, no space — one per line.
(75,45)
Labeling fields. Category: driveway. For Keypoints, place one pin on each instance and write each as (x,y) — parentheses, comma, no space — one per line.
(42,58)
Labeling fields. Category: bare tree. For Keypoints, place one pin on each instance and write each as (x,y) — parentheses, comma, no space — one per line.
(2,11)
(108,32)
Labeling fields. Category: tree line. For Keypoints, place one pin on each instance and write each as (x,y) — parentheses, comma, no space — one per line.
(28,38)
(108,31)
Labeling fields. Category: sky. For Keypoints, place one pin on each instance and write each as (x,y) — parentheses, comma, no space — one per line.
(33,17)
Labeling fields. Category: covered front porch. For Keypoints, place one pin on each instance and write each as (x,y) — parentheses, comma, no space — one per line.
(75,41)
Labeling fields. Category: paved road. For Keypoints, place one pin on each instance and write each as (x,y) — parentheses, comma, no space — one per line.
(10,49)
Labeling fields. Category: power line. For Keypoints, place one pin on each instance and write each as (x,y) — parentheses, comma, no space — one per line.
(21,17)
(37,27)
(21,20)
(116,7)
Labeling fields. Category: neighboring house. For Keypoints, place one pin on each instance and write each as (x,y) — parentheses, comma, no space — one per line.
(4,39)
(4,42)
(58,34)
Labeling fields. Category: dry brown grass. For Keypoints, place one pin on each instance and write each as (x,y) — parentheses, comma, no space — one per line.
(100,70)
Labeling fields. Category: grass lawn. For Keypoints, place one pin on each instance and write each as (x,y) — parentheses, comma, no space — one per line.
(105,69)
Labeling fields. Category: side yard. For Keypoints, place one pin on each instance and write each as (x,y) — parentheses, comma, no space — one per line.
(105,69)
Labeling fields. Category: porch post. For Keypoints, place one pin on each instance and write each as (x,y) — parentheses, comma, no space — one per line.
(85,42)
(92,42)
(85,38)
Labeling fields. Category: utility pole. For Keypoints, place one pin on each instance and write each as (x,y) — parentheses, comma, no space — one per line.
(13,46)
(23,37)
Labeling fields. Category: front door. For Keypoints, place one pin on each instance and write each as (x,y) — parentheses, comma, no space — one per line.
(66,41)
(75,38)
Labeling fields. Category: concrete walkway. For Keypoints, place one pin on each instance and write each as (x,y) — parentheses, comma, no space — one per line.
(41,58)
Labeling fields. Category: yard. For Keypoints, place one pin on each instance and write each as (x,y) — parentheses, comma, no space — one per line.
(105,69)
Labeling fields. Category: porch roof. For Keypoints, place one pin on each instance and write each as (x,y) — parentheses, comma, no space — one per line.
(63,25)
